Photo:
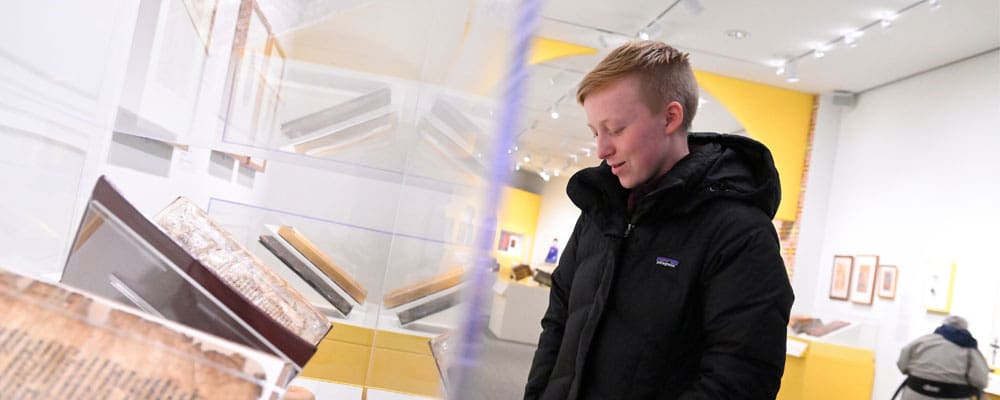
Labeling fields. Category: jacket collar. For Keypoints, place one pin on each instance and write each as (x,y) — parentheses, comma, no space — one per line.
(961,337)
(718,166)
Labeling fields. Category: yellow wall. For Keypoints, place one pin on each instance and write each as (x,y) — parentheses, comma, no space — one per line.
(545,49)
(829,372)
(779,118)
(518,213)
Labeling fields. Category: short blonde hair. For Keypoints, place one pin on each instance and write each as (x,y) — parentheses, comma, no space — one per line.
(664,73)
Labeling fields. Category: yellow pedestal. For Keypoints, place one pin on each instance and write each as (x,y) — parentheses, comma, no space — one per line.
(829,372)
(376,359)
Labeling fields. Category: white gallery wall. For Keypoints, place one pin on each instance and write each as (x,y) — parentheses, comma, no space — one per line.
(915,179)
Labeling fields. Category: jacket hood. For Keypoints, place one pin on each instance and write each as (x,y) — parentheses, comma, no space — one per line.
(718,166)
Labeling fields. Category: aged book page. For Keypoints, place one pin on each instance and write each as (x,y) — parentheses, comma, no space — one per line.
(324,263)
(423,288)
(56,343)
(213,246)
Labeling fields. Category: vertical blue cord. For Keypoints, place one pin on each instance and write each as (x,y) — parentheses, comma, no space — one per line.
(510,103)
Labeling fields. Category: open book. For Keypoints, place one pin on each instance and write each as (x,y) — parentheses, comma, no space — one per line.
(61,343)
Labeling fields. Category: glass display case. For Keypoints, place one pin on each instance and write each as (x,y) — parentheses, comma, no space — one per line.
(351,162)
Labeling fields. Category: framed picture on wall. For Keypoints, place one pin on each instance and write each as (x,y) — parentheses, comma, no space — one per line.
(938,287)
(887,276)
(863,279)
(511,243)
(840,281)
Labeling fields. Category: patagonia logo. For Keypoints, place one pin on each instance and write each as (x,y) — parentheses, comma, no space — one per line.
(667,262)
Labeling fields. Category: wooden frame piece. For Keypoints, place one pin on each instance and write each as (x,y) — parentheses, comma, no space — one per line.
(203,13)
(423,288)
(840,279)
(324,263)
(863,279)
(286,256)
(888,275)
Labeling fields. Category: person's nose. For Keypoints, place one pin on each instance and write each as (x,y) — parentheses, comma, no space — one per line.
(604,147)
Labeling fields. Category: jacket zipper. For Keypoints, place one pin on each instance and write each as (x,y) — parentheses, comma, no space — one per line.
(628,229)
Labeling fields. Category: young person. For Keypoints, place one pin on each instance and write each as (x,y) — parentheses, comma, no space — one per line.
(671,285)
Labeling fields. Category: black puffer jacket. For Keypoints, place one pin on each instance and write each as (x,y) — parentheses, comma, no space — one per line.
(686,298)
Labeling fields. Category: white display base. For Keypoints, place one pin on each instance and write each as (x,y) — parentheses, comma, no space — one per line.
(993,385)
(374,394)
(365,315)
(517,312)
(330,390)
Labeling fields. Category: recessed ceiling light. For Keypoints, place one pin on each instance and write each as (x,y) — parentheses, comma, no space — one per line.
(737,34)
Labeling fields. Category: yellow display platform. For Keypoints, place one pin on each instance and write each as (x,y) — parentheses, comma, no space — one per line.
(375,359)
(828,372)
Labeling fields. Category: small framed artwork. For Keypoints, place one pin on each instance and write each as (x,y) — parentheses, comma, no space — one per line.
(511,243)
(863,279)
(840,281)
(938,287)
(887,277)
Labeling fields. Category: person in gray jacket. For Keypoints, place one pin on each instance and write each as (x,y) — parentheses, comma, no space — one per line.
(943,365)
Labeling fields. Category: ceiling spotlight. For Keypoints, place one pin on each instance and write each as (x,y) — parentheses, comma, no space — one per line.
(701,102)
(517,167)
(737,34)
(780,70)
(643,34)
(851,38)
(515,148)
(554,113)
(555,173)
(527,157)
(586,152)
(887,19)
(545,175)
(510,151)
(818,52)
(934,4)
(792,72)
(574,157)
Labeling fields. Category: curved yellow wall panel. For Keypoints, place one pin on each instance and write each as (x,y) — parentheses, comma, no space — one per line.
(779,118)
(545,49)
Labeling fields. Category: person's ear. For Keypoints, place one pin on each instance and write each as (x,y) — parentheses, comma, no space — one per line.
(674,117)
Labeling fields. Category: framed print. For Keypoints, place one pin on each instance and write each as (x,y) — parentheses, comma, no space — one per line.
(840,281)
(511,243)
(887,276)
(863,279)
(938,287)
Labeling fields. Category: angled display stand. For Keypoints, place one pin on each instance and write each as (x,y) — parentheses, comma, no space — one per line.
(128,259)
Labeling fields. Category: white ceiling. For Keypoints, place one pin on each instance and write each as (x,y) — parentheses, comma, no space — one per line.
(396,37)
